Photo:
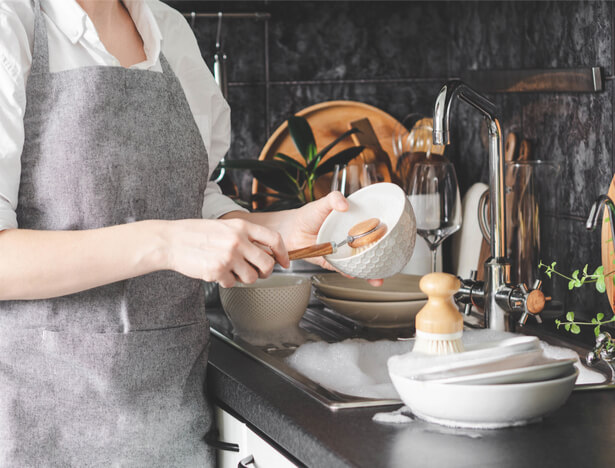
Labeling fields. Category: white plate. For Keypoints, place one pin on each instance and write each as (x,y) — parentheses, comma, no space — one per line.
(521,351)
(396,288)
(376,314)
(484,406)
(546,369)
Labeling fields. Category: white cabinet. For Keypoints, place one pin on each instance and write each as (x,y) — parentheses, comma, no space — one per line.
(232,430)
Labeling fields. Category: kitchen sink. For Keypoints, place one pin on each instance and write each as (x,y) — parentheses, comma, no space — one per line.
(322,324)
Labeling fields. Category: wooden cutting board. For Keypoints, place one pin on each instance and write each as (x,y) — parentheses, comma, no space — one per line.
(328,121)
(608,253)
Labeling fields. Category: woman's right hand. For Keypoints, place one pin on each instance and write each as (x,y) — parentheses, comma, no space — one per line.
(223,250)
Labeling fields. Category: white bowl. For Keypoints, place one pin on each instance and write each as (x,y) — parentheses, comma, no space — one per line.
(388,255)
(484,406)
(267,306)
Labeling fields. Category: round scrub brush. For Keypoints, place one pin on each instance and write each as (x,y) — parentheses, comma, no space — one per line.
(365,235)
(439,325)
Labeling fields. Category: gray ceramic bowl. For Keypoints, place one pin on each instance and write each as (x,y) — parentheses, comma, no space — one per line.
(267,306)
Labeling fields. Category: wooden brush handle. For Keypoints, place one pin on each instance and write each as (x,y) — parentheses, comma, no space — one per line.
(317,250)
(440,315)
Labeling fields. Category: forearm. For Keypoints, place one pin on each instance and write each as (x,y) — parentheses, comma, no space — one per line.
(41,264)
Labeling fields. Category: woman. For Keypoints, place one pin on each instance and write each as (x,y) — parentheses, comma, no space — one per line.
(110,126)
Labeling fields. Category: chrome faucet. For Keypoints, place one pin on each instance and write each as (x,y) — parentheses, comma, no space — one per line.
(496,295)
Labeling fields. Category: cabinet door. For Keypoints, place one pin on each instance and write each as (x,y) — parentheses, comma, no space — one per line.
(232,431)
(254,451)
(265,455)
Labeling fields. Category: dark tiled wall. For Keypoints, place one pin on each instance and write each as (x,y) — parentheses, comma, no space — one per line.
(396,55)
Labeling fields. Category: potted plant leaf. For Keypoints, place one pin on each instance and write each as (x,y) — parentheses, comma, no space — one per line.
(291,181)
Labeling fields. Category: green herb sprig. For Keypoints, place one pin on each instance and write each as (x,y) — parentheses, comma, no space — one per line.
(598,278)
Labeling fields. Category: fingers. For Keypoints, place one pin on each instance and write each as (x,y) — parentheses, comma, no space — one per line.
(259,259)
(376,282)
(227,280)
(333,201)
(268,238)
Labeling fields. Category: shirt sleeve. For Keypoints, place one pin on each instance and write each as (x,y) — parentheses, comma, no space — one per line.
(210,110)
(15,60)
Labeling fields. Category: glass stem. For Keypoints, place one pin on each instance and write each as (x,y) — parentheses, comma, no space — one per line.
(434,254)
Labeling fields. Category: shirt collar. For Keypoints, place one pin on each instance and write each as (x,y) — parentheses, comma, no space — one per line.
(70,18)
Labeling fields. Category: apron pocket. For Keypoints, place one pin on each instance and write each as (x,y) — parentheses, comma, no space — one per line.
(129,396)
(118,367)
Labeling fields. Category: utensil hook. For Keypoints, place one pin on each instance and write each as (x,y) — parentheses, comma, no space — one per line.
(219,33)
(220,77)
(192,19)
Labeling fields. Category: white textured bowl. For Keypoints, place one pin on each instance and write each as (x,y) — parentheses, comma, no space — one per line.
(388,255)
(268,306)
(484,406)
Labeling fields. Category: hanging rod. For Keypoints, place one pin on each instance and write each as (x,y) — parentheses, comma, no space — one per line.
(256,15)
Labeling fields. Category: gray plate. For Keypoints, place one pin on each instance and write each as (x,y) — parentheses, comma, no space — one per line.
(399,287)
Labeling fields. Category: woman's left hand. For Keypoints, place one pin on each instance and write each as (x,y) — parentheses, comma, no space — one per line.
(300,227)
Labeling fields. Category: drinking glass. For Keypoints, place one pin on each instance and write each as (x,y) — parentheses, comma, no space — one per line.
(351,177)
(434,194)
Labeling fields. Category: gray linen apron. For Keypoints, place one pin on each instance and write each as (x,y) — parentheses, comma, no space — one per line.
(112,376)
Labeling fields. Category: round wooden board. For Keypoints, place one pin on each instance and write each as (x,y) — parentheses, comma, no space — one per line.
(608,254)
(328,121)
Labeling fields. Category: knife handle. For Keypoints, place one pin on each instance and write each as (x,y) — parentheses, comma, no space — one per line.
(317,250)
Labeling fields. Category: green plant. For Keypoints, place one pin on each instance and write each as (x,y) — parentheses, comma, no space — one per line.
(598,278)
(291,180)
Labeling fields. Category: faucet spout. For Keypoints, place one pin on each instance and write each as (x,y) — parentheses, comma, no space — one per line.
(441,116)
(441,135)
(596,210)
(499,298)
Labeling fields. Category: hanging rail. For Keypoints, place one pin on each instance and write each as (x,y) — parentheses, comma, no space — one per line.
(256,15)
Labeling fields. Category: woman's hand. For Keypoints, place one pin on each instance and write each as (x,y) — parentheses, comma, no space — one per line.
(224,250)
(300,227)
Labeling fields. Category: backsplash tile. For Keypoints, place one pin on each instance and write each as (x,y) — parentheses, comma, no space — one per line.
(356,40)
(484,35)
(568,34)
(570,130)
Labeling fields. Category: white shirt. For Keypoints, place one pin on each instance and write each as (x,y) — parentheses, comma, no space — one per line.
(73,43)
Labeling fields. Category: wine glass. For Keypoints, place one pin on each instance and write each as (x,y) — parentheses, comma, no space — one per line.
(351,177)
(434,194)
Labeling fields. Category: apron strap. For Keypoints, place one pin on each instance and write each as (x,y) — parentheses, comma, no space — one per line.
(164,64)
(40,52)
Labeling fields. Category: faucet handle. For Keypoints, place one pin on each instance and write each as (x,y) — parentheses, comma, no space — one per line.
(465,294)
(533,301)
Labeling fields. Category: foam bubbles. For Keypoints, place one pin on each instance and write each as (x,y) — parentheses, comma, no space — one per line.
(353,367)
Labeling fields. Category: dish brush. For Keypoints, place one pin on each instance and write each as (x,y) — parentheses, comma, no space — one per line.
(439,325)
(365,235)
(360,237)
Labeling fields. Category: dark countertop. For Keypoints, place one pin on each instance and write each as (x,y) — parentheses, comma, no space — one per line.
(580,434)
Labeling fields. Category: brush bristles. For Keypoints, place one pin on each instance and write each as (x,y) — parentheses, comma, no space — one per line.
(357,250)
(431,343)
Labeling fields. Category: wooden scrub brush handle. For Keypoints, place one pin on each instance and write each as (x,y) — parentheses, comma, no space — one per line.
(317,250)
(440,315)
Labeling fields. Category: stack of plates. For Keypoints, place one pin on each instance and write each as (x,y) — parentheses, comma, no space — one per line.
(490,385)
(393,305)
